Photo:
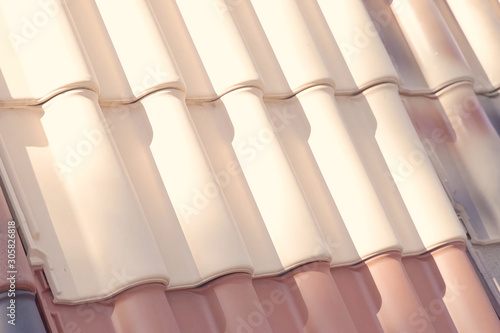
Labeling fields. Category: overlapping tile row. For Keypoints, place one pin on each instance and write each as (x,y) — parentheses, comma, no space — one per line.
(432,292)
(456,122)
(476,38)
(181,141)
(37,37)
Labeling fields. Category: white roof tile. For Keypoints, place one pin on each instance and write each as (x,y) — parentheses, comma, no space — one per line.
(410,75)
(476,151)
(453,125)
(431,42)
(304,61)
(294,130)
(220,46)
(188,60)
(477,35)
(161,131)
(359,41)
(69,181)
(413,173)
(41,55)
(216,132)
(290,221)
(345,173)
(128,51)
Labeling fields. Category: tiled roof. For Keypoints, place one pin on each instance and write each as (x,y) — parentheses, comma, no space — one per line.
(251,165)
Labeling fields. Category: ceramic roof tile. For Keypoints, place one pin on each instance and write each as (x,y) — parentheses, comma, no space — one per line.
(142,308)
(345,176)
(41,53)
(453,124)
(410,76)
(481,82)
(477,36)
(476,151)
(310,296)
(272,180)
(395,295)
(183,48)
(216,132)
(294,128)
(404,164)
(127,65)
(274,81)
(294,44)
(212,29)
(190,210)
(194,308)
(456,285)
(429,293)
(411,169)
(431,42)
(491,105)
(69,173)
(429,284)
(358,39)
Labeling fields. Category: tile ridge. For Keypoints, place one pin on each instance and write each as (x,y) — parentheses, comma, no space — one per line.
(24,103)
(434,92)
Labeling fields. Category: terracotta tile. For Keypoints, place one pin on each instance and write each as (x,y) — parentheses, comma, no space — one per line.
(426,294)
(400,306)
(447,286)
(215,307)
(431,288)
(360,296)
(465,299)
(143,308)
